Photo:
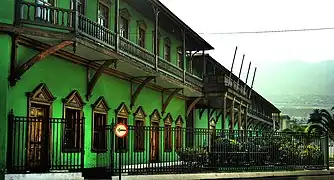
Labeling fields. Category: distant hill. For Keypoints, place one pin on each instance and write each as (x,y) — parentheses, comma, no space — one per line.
(296,86)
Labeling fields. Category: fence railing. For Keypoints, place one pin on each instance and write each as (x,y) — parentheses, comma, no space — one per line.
(152,150)
(44,144)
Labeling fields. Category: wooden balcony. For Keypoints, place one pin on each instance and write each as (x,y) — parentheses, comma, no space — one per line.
(262,116)
(221,84)
(80,27)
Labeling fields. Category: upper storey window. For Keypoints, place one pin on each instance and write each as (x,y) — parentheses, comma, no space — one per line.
(124,23)
(103,14)
(81,6)
(141,33)
(179,57)
(167,50)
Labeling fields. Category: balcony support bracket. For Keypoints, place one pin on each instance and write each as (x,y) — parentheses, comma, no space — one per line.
(91,82)
(19,71)
(134,94)
(212,112)
(220,114)
(250,122)
(201,112)
(169,98)
(192,105)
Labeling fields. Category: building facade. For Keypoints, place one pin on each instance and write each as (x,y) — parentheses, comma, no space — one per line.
(71,70)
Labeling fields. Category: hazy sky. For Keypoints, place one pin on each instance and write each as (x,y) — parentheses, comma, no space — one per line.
(216,16)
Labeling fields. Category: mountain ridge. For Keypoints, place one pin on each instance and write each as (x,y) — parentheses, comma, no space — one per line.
(292,84)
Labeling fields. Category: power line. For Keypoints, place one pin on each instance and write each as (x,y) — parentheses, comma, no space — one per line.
(274,31)
(262,32)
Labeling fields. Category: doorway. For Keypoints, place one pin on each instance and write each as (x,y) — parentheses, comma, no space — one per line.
(154,141)
(38,144)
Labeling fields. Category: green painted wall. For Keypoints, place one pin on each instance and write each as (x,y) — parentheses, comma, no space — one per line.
(61,77)
(5,54)
(7,11)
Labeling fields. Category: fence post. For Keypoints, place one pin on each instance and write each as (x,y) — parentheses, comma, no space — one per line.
(82,158)
(112,148)
(10,140)
(325,150)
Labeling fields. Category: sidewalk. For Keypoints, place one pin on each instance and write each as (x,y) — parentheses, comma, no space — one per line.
(225,175)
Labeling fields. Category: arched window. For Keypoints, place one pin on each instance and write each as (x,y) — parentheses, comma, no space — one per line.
(73,129)
(139,116)
(178,133)
(100,119)
(122,115)
(168,132)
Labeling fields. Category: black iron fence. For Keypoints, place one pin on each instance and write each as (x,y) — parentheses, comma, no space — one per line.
(38,144)
(46,144)
(150,150)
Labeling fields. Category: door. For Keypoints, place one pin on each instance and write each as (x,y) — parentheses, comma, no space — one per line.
(154,141)
(38,138)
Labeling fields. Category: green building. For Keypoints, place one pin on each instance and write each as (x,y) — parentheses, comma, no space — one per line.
(71,70)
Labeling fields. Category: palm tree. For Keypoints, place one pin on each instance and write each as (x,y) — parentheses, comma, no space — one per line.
(321,122)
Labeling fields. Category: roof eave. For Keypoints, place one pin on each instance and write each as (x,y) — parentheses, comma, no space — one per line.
(184,25)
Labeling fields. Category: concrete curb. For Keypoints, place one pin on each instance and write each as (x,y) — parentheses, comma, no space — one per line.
(226,175)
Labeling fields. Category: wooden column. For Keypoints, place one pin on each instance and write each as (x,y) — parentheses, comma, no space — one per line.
(156,29)
(246,116)
(184,55)
(116,27)
(224,112)
(239,116)
(232,115)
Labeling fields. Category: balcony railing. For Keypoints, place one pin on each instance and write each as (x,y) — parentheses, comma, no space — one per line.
(170,68)
(260,115)
(193,79)
(46,16)
(234,85)
(136,51)
(95,31)
(65,19)
(219,82)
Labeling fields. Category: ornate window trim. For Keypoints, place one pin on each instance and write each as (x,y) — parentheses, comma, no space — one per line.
(99,107)
(125,13)
(74,101)
(155,116)
(139,116)
(40,95)
(122,112)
